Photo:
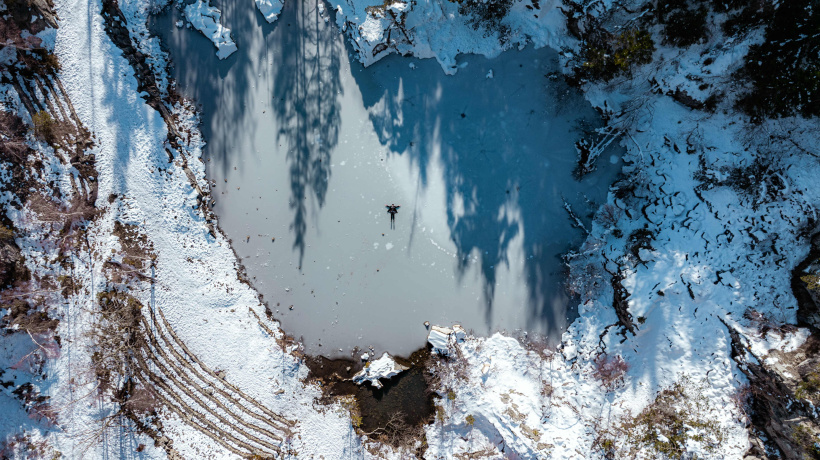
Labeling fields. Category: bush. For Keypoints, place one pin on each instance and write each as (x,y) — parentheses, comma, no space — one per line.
(673,423)
(607,55)
(12,129)
(807,439)
(487,15)
(43,126)
(744,16)
(684,24)
(610,371)
(6,233)
(640,239)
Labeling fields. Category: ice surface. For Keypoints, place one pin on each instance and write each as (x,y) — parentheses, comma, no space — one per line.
(306,148)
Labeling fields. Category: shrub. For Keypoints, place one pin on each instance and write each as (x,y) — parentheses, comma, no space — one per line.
(744,16)
(6,233)
(640,239)
(673,422)
(487,15)
(585,280)
(807,439)
(13,148)
(43,126)
(809,387)
(684,24)
(608,216)
(760,182)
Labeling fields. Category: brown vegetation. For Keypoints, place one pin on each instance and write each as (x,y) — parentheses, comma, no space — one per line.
(610,370)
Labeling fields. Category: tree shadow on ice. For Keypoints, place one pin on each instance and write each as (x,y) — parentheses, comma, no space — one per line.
(298,60)
(200,75)
(504,146)
(307,91)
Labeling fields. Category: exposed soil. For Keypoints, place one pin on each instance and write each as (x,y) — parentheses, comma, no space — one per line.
(406,397)
(808,313)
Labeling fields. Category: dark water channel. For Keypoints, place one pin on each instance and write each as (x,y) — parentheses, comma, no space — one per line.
(306,147)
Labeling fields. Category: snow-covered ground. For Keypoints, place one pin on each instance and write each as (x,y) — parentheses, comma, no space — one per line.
(693,251)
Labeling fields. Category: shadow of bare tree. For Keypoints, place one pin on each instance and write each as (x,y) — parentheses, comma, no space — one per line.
(502,136)
(307,87)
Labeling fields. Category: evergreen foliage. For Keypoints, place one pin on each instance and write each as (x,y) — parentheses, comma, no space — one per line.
(784,70)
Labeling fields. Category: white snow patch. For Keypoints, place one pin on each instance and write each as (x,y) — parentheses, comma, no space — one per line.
(206,19)
(442,337)
(270,9)
(382,368)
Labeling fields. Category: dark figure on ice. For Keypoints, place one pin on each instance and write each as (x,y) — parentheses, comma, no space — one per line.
(392,209)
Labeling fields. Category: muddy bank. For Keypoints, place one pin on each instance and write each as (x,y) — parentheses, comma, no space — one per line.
(395,413)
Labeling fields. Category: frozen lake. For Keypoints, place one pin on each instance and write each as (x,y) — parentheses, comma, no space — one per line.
(306,147)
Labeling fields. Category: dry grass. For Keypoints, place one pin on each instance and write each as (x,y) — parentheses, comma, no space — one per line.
(678,417)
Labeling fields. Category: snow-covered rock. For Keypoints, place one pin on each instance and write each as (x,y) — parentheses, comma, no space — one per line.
(206,19)
(440,337)
(459,333)
(270,9)
(382,368)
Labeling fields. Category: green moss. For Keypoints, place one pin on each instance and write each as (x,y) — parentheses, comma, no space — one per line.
(611,55)
(809,388)
(812,281)
(6,233)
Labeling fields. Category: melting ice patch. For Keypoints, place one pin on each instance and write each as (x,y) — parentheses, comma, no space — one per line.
(270,9)
(206,19)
